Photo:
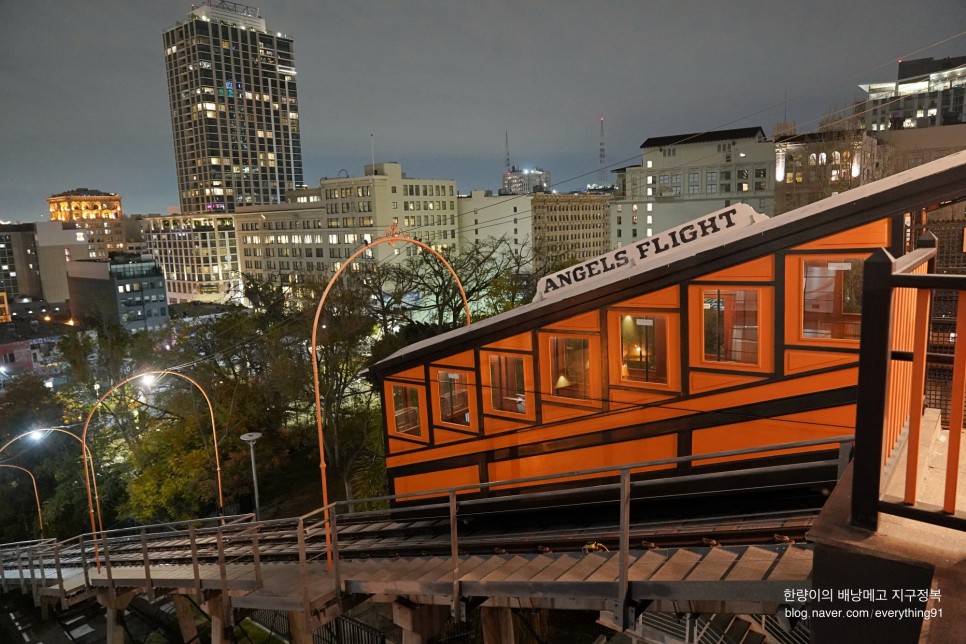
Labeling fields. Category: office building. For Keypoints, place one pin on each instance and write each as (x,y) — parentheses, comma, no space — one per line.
(816,165)
(518,181)
(309,239)
(689,175)
(234,109)
(33,264)
(569,228)
(126,289)
(483,217)
(926,93)
(197,254)
(97,213)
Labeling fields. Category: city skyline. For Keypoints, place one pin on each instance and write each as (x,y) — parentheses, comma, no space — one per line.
(436,86)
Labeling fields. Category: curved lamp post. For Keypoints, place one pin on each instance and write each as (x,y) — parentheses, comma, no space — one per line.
(88,459)
(33,479)
(211,411)
(392,236)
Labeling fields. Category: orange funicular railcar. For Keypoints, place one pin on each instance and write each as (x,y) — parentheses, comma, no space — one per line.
(732,331)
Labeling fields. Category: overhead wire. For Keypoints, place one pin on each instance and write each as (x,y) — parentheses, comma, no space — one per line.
(292,318)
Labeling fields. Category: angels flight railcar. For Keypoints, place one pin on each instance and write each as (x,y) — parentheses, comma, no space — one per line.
(732,331)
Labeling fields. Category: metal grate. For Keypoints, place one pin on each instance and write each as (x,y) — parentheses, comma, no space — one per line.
(346,630)
(950,229)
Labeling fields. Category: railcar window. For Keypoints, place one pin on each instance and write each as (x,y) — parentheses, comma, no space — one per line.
(507,391)
(570,366)
(454,403)
(731,325)
(644,348)
(832,298)
(405,404)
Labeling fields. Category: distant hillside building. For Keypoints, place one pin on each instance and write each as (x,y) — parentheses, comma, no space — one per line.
(518,181)
(926,93)
(234,109)
(96,212)
(127,289)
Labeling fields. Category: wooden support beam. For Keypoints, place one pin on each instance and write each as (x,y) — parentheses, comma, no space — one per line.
(115,605)
(420,622)
(184,608)
(298,628)
(216,607)
(498,626)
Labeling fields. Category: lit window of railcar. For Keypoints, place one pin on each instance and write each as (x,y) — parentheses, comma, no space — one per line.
(405,404)
(644,349)
(454,404)
(570,366)
(730,325)
(507,384)
(832,298)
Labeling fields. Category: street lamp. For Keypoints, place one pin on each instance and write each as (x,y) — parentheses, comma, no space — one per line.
(392,236)
(250,438)
(148,376)
(33,479)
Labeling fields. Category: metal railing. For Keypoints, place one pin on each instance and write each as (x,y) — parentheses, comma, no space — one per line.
(212,549)
(893,358)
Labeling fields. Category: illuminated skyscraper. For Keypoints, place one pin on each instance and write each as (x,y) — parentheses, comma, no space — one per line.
(234,109)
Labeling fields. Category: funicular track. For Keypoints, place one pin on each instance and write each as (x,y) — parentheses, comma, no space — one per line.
(741,525)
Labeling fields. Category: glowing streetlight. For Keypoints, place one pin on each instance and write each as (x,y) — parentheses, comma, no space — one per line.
(149,376)
(89,477)
(392,236)
(33,479)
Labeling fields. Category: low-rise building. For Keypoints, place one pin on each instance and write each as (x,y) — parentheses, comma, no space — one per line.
(126,289)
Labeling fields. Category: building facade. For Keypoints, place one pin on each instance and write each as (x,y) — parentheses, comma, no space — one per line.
(816,165)
(98,213)
(127,290)
(33,263)
(483,216)
(518,181)
(198,255)
(571,227)
(688,175)
(926,93)
(234,109)
(311,238)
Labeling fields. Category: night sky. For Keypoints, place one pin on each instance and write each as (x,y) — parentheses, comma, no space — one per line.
(437,83)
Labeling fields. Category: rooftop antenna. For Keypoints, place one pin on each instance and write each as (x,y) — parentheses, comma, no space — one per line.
(508,150)
(603,156)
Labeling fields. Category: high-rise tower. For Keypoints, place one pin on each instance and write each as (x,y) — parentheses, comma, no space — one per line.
(234,109)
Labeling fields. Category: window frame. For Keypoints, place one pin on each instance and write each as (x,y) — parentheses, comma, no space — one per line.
(766,331)
(795,298)
(672,349)
(471,395)
(548,379)
(423,425)
(529,388)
